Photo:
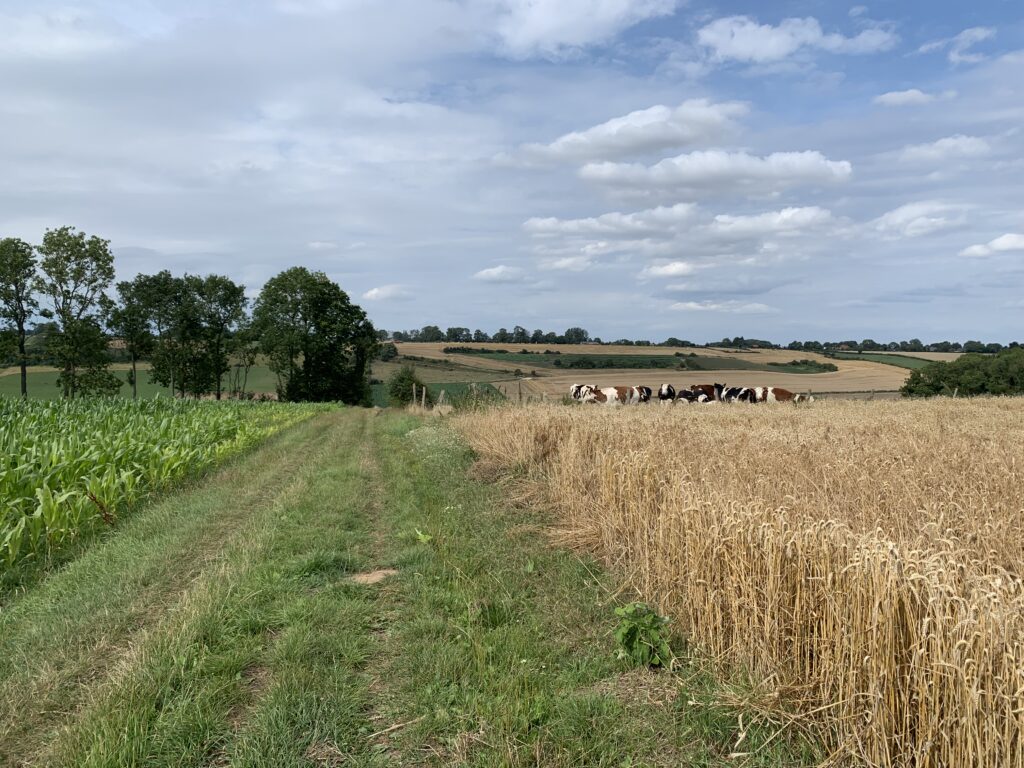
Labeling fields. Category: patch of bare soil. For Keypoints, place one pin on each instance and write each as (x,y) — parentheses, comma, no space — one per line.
(646,687)
(324,753)
(372,577)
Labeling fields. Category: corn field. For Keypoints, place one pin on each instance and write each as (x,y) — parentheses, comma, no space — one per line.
(69,466)
(864,558)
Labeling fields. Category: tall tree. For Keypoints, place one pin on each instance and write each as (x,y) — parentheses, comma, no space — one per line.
(319,343)
(17,302)
(75,271)
(129,319)
(221,304)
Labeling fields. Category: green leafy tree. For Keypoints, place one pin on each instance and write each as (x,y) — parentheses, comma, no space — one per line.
(129,319)
(400,386)
(319,344)
(75,271)
(576,335)
(387,352)
(221,306)
(17,302)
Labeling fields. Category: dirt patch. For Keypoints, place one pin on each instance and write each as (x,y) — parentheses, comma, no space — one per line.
(325,753)
(646,687)
(372,577)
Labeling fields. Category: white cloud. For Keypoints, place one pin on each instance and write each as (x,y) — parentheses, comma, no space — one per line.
(858,10)
(788,221)
(960,45)
(733,306)
(741,38)
(499,274)
(921,218)
(1003,243)
(556,28)
(662,220)
(58,34)
(669,269)
(904,98)
(721,169)
(646,130)
(321,245)
(948,148)
(568,264)
(387,293)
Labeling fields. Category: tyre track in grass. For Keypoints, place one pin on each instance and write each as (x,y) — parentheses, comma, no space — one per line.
(59,641)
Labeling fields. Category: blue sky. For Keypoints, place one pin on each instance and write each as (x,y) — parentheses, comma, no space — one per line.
(643,168)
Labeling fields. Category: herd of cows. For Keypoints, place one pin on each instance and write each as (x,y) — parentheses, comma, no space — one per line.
(698,393)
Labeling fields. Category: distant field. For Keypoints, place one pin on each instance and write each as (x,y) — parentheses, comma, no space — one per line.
(886,358)
(737,367)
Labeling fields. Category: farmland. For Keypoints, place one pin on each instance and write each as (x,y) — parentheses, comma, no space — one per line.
(852,554)
(69,467)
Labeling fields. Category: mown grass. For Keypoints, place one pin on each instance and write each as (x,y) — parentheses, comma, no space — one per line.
(900,361)
(222,627)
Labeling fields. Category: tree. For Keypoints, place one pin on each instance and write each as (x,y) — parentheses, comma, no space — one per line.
(401,383)
(17,302)
(221,305)
(520,335)
(479,336)
(458,334)
(129,320)
(502,336)
(537,337)
(576,336)
(388,351)
(76,270)
(320,344)
(431,333)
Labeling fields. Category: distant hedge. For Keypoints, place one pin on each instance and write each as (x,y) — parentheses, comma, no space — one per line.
(999,374)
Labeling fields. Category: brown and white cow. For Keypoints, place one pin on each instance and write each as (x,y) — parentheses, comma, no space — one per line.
(580,391)
(709,391)
(617,395)
(666,394)
(779,395)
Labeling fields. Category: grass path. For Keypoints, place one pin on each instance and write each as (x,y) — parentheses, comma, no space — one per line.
(221,626)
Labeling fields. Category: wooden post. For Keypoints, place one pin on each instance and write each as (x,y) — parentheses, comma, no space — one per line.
(423,402)
(414,393)
(519,384)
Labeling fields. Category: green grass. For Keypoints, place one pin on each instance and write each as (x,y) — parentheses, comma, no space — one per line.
(454,390)
(900,361)
(221,627)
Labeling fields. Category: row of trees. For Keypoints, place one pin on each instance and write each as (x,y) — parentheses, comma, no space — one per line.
(193,330)
(972,374)
(520,335)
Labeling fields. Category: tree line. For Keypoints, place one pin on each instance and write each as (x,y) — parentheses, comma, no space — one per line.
(972,374)
(200,334)
(521,335)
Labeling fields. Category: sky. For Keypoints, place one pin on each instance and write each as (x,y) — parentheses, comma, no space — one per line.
(640,168)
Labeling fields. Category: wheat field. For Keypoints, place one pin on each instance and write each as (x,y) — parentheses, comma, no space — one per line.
(864,558)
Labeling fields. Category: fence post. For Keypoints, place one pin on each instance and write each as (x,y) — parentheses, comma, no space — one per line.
(423,402)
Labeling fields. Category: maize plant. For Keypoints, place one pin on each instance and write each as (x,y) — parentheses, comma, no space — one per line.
(69,466)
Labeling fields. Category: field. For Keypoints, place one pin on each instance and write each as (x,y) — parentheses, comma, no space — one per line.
(861,560)
(350,592)
(747,368)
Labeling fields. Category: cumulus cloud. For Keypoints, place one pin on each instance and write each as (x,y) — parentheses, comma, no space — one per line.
(669,269)
(1003,243)
(721,169)
(499,274)
(387,293)
(568,264)
(788,221)
(921,218)
(321,245)
(958,47)
(948,148)
(741,38)
(662,220)
(904,98)
(646,130)
(733,306)
(556,28)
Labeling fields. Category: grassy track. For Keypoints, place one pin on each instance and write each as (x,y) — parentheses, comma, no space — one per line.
(221,627)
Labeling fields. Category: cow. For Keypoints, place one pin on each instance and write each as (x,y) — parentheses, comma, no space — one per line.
(580,391)
(616,395)
(667,394)
(644,393)
(779,395)
(708,390)
(689,397)
(734,394)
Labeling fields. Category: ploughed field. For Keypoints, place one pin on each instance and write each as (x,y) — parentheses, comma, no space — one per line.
(862,559)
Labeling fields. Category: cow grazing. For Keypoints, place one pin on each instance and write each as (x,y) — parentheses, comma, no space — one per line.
(579,391)
(666,394)
(644,393)
(779,395)
(616,395)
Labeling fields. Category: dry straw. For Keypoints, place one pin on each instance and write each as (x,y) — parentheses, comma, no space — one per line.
(865,556)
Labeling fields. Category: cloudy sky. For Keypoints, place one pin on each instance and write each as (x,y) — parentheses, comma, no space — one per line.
(642,168)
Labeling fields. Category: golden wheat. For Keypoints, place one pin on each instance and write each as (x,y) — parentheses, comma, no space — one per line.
(865,556)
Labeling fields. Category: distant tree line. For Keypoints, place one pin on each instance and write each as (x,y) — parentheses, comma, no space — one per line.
(520,335)
(971,374)
(197,332)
